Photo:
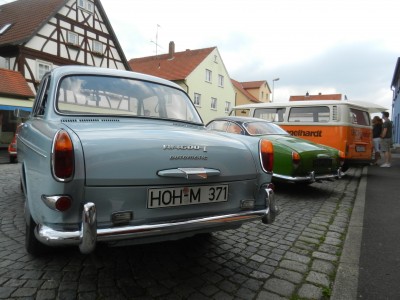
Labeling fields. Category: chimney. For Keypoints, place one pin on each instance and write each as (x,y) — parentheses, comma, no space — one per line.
(171,50)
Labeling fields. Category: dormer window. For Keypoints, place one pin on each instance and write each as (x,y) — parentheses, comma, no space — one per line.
(72,38)
(86,5)
(4,28)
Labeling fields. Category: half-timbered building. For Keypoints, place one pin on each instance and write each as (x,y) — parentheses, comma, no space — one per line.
(38,35)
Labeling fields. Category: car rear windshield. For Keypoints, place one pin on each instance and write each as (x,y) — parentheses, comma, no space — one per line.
(117,96)
(263,128)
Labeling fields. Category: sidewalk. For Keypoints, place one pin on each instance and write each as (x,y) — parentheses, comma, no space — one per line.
(369,267)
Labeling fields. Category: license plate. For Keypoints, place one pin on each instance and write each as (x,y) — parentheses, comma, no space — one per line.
(360,148)
(178,196)
(323,163)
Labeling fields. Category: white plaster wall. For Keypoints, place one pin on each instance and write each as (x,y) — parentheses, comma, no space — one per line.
(197,84)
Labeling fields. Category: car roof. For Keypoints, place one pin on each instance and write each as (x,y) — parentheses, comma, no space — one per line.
(239,119)
(89,70)
(371,107)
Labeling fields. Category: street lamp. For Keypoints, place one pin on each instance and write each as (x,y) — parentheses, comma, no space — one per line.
(273,87)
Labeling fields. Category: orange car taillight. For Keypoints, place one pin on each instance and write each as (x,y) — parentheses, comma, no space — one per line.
(295,159)
(267,155)
(63,156)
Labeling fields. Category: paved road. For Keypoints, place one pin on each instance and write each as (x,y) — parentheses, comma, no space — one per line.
(295,258)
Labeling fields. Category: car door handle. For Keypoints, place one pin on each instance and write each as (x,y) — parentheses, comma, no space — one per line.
(189,173)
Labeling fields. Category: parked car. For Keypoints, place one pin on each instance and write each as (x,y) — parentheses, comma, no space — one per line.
(295,159)
(111,156)
(12,147)
(12,150)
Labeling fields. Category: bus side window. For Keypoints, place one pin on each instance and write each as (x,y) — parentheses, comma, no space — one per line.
(314,114)
(270,114)
(359,117)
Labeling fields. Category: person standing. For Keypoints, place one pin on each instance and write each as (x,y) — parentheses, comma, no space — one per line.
(386,140)
(376,137)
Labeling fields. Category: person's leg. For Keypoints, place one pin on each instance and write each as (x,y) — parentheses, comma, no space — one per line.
(384,157)
(386,152)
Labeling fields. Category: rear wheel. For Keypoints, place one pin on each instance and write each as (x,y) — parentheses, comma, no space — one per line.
(32,245)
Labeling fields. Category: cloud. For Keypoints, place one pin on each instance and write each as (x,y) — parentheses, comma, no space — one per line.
(330,46)
(362,71)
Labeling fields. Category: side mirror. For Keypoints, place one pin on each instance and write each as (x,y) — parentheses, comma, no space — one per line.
(20,113)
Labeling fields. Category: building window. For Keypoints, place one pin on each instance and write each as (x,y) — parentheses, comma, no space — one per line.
(208,75)
(220,81)
(72,38)
(97,47)
(227,106)
(214,103)
(86,5)
(42,68)
(197,99)
(90,6)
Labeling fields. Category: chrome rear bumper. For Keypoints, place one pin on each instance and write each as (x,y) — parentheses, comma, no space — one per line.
(311,177)
(88,235)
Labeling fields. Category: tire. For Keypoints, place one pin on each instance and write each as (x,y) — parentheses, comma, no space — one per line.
(32,245)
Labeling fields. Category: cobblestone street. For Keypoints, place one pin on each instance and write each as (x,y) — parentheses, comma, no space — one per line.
(295,258)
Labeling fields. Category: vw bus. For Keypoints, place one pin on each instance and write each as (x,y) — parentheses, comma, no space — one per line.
(341,124)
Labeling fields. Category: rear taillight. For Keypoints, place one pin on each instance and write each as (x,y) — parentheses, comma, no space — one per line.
(267,155)
(62,156)
(295,159)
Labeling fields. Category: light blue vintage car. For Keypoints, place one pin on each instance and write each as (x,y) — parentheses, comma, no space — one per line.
(124,158)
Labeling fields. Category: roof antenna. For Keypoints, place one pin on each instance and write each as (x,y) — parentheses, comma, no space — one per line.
(156,42)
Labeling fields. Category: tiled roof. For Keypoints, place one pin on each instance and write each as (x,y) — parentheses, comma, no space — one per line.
(316,97)
(26,18)
(13,83)
(239,86)
(176,66)
(253,84)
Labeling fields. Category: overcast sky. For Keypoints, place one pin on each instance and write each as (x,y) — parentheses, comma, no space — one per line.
(317,46)
(329,46)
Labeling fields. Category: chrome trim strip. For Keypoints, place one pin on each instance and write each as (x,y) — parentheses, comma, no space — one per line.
(189,173)
(50,201)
